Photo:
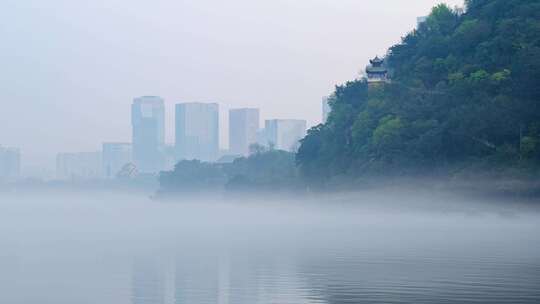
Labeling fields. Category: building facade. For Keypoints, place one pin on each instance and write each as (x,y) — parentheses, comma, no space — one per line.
(148,126)
(10,163)
(115,157)
(243,127)
(283,134)
(84,165)
(197,131)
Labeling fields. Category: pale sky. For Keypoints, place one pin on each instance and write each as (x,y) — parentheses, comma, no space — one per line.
(69,69)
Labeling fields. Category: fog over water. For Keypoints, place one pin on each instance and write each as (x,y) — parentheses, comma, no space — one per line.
(87,214)
(403,247)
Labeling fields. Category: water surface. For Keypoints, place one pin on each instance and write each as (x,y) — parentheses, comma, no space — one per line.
(373,248)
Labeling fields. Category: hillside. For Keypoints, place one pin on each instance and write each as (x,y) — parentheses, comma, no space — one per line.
(464,97)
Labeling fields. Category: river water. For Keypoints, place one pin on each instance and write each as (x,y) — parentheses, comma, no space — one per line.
(400,248)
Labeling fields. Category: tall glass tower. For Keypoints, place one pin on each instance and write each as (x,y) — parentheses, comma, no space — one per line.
(197,131)
(243,127)
(148,123)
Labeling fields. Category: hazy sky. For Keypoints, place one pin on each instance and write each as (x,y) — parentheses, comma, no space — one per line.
(70,68)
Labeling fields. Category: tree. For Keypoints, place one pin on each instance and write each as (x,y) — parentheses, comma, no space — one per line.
(192,176)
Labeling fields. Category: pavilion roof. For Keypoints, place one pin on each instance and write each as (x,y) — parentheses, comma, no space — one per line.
(379,69)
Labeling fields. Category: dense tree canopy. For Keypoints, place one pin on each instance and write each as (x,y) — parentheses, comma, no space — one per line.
(262,170)
(465,88)
(192,176)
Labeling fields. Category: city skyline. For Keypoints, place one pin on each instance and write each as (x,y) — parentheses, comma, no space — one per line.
(82,80)
(196,137)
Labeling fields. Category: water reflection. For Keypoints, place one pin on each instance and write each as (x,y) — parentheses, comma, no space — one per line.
(66,251)
(198,281)
(363,274)
(219,279)
(148,282)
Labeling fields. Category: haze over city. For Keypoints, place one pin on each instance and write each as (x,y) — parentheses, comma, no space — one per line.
(71,69)
(270,151)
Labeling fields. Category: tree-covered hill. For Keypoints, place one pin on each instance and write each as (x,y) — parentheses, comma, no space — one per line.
(465,92)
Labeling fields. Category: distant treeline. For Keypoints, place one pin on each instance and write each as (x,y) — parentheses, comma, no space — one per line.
(464,96)
(264,170)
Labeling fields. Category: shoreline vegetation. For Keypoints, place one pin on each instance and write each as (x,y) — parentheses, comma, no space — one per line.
(507,191)
(501,186)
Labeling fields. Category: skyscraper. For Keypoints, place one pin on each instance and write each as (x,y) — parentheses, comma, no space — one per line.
(243,127)
(10,163)
(197,131)
(148,122)
(283,134)
(115,156)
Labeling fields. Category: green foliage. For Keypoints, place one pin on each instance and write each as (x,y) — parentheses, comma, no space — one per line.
(529,146)
(263,170)
(388,133)
(465,86)
(274,169)
(328,149)
(191,176)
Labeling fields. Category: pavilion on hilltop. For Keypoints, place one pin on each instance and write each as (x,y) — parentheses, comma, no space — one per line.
(377,71)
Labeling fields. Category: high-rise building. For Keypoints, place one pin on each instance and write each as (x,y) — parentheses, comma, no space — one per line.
(197,131)
(84,165)
(283,134)
(148,122)
(115,157)
(10,163)
(243,127)
(325,108)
